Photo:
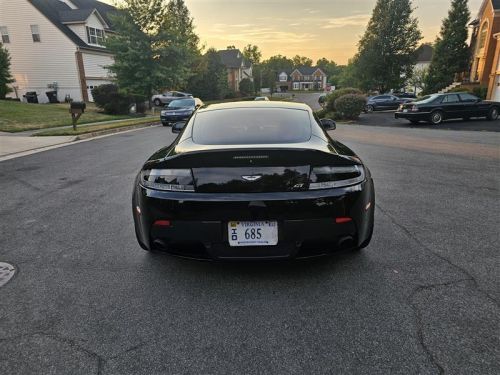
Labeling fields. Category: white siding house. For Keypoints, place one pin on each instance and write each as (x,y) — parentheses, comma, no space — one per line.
(56,43)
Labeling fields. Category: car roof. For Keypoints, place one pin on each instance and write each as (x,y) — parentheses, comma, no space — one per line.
(255,104)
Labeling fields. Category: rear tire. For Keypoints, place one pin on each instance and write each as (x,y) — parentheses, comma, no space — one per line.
(436,117)
(493,114)
(157,102)
(370,108)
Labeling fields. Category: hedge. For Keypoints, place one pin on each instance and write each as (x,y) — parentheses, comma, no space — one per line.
(350,106)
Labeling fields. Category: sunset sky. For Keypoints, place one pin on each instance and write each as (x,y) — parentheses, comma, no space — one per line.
(314,28)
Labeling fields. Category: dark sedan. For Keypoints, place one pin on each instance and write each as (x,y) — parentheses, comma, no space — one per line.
(179,110)
(384,103)
(254,180)
(439,107)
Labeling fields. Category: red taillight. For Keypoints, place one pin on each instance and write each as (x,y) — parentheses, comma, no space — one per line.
(163,223)
(342,220)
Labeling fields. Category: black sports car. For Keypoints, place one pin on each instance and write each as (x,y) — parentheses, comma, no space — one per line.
(179,110)
(253,180)
(438,107)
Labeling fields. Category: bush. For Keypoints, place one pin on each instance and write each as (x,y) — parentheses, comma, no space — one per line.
(333,96)
(111,100)
(246,87)
(480,92)
(350,106)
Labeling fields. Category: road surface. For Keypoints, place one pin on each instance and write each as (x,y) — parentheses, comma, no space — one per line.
(422,298)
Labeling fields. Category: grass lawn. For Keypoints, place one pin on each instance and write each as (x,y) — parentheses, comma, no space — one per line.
(16,116)
(95,128)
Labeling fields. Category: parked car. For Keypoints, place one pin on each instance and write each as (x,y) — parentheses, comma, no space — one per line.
(168,96)
(179,110)
(248,181)
(261,98)
(384,102)
(438,107)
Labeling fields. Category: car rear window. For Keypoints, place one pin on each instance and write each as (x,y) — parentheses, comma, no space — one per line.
(181,103)
(241,126)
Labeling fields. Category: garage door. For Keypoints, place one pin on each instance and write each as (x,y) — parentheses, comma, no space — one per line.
(91,83)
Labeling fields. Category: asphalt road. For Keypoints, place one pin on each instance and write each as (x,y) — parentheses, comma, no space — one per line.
(421,299)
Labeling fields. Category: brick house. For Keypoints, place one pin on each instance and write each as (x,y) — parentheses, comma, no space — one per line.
(301,78)
(485,48)
(237,67)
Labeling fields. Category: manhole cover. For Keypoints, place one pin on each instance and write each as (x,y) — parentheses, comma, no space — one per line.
(6,272)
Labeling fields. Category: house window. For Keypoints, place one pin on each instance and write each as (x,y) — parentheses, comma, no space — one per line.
(296,85)
(482,35)
(35,33)
(95,36)
(5,34)
(283,77)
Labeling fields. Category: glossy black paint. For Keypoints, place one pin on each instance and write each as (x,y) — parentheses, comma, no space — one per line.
(170,115)
(306,218)
(450,106)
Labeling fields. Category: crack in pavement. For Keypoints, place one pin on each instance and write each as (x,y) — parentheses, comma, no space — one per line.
(420,288)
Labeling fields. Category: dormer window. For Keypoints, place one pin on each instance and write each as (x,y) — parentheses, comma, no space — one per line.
(283,77)
(95,36)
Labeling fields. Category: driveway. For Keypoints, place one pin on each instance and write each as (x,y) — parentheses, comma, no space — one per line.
(86,299)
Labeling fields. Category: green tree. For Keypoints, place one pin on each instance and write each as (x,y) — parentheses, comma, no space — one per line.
(272,67)
(451,52)
(5,75)
(155,46)
(418,79)
(246,87)
(386,52)
(301,61)
(331,69)
(252,53)
(210,81)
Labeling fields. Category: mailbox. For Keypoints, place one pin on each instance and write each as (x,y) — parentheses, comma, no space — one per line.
(77,107)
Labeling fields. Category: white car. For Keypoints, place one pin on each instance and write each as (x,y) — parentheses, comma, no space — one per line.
(259,98)
(168,96)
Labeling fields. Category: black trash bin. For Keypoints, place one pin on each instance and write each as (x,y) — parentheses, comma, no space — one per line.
(52,95)
(31,97)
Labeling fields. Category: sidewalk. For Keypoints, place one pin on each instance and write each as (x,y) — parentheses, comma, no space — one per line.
(10,144)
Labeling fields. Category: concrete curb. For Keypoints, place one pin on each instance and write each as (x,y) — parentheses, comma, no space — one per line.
(115,130)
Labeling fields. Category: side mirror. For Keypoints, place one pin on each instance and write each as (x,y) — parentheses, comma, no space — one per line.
(328,124)
(178,126)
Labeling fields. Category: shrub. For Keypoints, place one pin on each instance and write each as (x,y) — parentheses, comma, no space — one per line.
(350,106)
(460,89)
(246,87)
(480,92)
(111,100)
(333,96)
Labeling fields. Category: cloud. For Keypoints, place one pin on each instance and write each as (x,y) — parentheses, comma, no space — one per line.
(339,22)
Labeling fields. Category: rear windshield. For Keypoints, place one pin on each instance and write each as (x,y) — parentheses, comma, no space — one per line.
(427,99)
(241,126)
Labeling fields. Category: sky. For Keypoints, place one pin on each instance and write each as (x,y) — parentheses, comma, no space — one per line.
(312,28)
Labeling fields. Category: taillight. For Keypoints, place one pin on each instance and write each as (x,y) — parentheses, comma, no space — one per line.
(334,177)
(168,179)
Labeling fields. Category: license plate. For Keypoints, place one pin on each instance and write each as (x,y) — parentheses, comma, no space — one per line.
(405,110)
(252,233)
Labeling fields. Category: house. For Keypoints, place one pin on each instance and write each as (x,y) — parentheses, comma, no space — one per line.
(237,67)
(56,45)
(485,48)
(302,78)
(424,57)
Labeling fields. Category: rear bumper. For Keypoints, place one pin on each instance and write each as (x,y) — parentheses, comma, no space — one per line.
(306,221)
(419,116)
(174,118)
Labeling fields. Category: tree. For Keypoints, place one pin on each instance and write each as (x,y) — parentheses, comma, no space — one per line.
(210,81)
(301,61)
(451,52)
(418,79)
(272,67)
(246,87)
(252,53)
(331,69)
(231,47)
(5,75)
(387,51)
(155,46)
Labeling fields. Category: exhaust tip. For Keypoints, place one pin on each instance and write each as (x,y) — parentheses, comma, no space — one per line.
(159,245)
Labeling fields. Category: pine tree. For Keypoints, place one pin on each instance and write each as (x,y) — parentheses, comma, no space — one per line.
(5,75)
(386,53)
(451,52)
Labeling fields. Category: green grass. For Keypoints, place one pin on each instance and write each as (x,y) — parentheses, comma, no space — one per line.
(16,116)
(98,127)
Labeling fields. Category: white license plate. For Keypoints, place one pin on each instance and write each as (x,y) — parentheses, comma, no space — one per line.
(405,110)
(252,233)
